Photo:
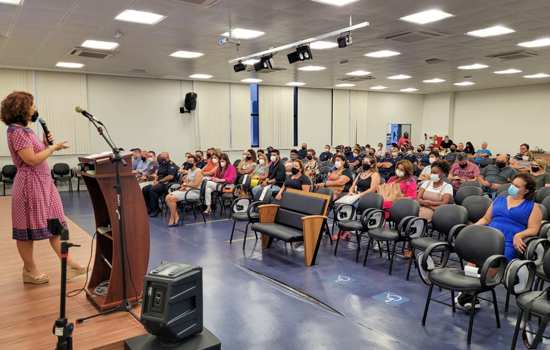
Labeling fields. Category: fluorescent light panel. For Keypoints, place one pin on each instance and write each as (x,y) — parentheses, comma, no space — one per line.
(200,76)
(251,80)
(312,68)
(243,33)
(295,83)
(536,43)
(141,17)
(378,87)
(473,66)
(399,77)
(11,2)
(464,83)
(251,62)
(323,45)
(537,76)
(358,73)
(336,2)
(100,45)
(410,89)
(345,85)
(186,54)
(491,31)
(72,65)
(433,81)
(427,16)
(508,71)
(382,54)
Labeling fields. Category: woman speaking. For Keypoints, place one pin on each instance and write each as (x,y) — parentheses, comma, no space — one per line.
(35,199)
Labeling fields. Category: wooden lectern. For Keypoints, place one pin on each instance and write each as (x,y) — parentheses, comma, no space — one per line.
(98,172)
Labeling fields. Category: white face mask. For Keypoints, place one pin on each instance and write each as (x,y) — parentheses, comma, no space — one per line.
(273,158)
(432,160)
(223,164)
(261,161)
(525,158)
(215,160)
(434,177)
(399,173)
(338,164)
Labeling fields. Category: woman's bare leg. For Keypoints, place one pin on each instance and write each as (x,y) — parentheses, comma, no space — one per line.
(25,249)
(55,242)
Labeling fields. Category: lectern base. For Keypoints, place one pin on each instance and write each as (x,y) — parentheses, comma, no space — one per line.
(202,341)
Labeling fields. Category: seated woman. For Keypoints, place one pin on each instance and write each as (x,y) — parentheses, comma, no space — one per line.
(248,164)
(367,181)
(261,171)
(434,192)
(311,166)
(426,172)
(339,179)
(404,177)
(192,181)
(226,174)
(297,180)
(212,163)
(538,171)
(517,216)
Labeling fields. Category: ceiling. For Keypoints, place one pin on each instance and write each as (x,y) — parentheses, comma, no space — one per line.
(42,32)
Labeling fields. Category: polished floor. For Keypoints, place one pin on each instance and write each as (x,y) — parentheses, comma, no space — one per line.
(269,300)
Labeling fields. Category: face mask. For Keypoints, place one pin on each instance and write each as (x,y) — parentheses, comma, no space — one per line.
(338,164)
(214,161)
(34,116)
(535,169)
(248,157)
(501,164)
(150,159)
(356,154)
(304,147)
(453,149)
(309,157)
(399,173)
(327,150)
(295,171)
(273,158)
(223,164)
(188,166)
(513,190)
(434,177)
(525,158)
(366,166)
(261,161)
(432,160)
(463,165)
(163,161)
(409,152)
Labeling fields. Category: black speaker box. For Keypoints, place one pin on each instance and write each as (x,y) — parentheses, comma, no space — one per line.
(190,103)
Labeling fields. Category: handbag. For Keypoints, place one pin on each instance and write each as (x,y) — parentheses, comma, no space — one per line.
(390,192)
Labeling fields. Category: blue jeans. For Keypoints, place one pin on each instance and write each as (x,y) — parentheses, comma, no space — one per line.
(256,191)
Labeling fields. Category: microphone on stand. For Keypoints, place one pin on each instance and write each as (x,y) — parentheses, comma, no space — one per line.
(46,130)
(87,115)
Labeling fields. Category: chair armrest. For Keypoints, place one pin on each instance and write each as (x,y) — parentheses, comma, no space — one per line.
(343,212)
(454,231)
(492,270)
(314,218)
(189,191)
(519,276)
(240,205)
(267,213)
(372,218)
(253,208)
(412,228)
(427,254)
(536,248)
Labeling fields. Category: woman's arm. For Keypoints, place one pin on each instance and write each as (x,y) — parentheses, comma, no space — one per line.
(533,227)
(33,159)
(341,181)
(486,219)
(279,195)
(374,183)
(408,188)
(354,185)
(198,180)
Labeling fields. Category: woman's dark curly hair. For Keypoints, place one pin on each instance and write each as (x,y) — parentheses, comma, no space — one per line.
(15,108)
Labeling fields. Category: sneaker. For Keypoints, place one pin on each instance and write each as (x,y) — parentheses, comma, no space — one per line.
(465,301)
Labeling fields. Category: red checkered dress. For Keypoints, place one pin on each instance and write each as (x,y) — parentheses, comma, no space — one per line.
(34,196)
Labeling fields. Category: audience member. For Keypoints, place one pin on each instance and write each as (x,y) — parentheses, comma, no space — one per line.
(201,163)
(226,174)
(247,165)
(446,143)
(261,171)
(427,170)
(166,173)
(522,160)
(139,162)
(326,155)
(380,151)
(192,181)
(452,153)
(276,175)
(294,154)
(469,149)
(367,181)
(463,170)
(435,191)
(482,154)
(339,179)
(211,166)
(302,153)
(297,180)
(538,171)
(493,176)
(386,167)
(311,167)
(404,140)
(405,178)
(460,147)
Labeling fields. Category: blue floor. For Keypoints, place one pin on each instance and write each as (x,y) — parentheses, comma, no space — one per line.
(351,306)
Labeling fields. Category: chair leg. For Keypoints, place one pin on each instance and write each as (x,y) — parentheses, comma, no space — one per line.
(516,330)
(507,304)
(453,300)
(367,252)
(232,231)
(193,209)
(495,305)
(379,248)
(392,256)
(471,323)
(244,240)
(388,250)
(411,260)
(327,232)
(337,242)
(358,235)
(427,305)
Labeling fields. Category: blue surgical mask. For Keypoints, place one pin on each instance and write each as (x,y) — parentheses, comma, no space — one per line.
(513,190)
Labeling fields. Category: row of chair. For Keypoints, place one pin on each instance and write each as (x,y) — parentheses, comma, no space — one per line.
(61,173)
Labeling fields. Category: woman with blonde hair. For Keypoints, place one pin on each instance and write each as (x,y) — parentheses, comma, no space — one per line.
(538,171)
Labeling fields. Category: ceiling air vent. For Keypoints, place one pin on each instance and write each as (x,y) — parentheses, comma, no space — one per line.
(434,60)
(88,53)
(357,79)
(413,37)
(514,55)
(202,3)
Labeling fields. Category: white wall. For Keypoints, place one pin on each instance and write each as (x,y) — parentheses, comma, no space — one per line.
(314,116)
(437,113)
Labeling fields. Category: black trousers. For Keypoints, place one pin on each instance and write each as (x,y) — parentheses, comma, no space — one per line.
(151,194)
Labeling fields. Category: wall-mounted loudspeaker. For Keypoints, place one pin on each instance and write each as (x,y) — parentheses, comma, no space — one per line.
(190,103)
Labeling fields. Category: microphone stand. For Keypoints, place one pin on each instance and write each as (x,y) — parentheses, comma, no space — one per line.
(125,305)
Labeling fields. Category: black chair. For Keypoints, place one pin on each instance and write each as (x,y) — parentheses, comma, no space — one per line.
(76,172)
(503,190)
(8,175)
(403,216)
(481,245)
(194,203)
(368,215)
(546,203)
(476,206)
(465,192)
(447,221)
(246,210)
(543,211)
(61,173)
(470,184)
(542,194)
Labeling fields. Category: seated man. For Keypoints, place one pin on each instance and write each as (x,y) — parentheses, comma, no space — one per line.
(522,160)
(463,170)
(386,166)
(326,155)
(493,176)
(201,163)
(166,173)
(145,177)
(482,155)
(138,161)
(302,153)
(451,156)
(276,175)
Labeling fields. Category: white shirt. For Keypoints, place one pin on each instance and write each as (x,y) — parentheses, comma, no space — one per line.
(443,189)
(427,170)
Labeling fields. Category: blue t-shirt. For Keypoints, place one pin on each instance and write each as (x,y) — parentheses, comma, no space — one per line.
(482,151)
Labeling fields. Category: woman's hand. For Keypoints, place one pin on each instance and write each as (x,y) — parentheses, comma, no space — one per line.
(50,137)
(519,244)
(59,146)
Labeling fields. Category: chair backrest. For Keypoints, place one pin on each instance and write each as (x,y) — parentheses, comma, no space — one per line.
(546,264)
(402,208)
(236,163)
(542,194)
(9,171)
(448,215)
(370,201)
(467,191)
(544,211)
(503,189)
(546,203)
(61,169)
(295,204)
(476,206)
(471,184)
(202,192)
(475,243)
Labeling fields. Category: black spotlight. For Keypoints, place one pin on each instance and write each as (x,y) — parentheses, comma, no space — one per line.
(344,41)
(239,67)
(302,53)
(266,62)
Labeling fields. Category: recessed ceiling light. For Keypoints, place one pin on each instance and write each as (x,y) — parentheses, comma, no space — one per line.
(399,77)
(345,85)
(378,87)
(537,76)
(242,33)
(100,45)
(295,83)
(312,68)
(508,71)
(433,81)
(251,61)
(336,2)
(11,2)
(427,16)
(411,89)
(186,54)
(251,80)
(464,83)
(72,65)
(536,43)
(142,17)
(490,31)
(358,73)
(200,76)
(473,66)
(322,45)
(382,54)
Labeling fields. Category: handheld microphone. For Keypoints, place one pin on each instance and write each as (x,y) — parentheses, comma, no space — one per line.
(87,115)
(46,130)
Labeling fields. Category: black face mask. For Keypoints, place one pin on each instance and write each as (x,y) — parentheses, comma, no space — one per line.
(309,157)
(366,166)
(248,157)
(304,147)
(295,171)
(34,116)
(453,149)
(188,165)
(535,169)
(163,161)
(501,164)
(463,165)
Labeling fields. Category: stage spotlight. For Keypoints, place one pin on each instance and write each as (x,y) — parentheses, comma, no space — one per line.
(302,53)
(239,67)
(344,40)
(266,62)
